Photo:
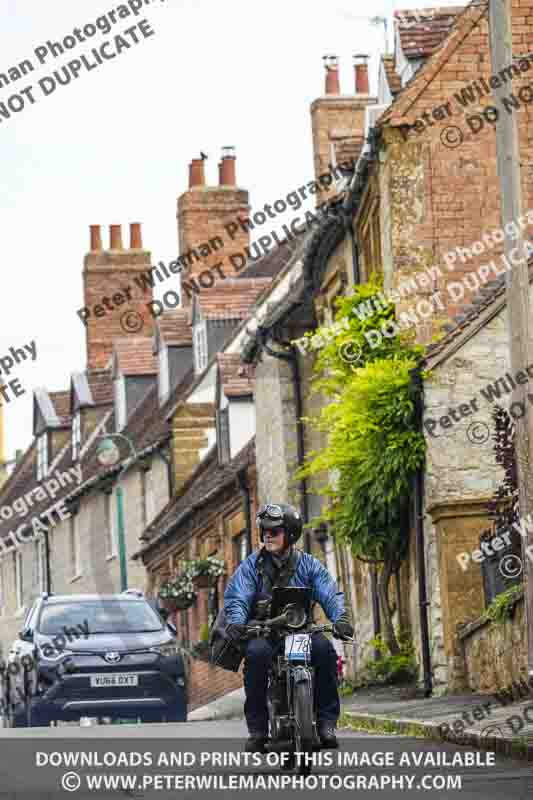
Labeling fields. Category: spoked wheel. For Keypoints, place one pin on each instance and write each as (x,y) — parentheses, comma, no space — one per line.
(303,717)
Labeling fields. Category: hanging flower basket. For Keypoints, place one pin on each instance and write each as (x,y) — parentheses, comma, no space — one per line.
(205,571)
(177,593)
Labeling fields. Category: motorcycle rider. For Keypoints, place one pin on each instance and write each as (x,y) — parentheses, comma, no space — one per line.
(279,563)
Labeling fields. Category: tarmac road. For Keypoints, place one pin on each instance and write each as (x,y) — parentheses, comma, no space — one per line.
(502,780)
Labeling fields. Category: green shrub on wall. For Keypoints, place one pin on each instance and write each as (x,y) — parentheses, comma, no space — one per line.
(373,447)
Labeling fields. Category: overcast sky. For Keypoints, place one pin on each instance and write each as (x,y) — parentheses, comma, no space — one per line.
(114,146)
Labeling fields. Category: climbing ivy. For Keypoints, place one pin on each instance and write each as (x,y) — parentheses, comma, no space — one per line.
(372,448)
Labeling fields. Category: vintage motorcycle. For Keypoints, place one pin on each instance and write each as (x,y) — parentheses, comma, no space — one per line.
(291,696)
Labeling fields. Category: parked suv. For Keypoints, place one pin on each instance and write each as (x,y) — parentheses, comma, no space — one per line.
(101,656)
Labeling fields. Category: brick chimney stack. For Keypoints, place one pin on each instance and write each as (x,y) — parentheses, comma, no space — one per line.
(114,304)
(203,213)
(96,238)
(338,124)
(196,173)
(136,241)
(227,172)
(115,237)
(331,64)
(361,73)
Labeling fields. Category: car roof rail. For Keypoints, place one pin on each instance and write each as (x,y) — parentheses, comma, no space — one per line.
(136,592)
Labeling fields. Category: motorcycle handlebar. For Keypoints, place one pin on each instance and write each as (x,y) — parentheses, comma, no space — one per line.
(265,627)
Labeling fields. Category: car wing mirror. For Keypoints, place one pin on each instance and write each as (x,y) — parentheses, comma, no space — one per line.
(26,634)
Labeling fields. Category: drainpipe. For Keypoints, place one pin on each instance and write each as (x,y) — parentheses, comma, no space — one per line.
(418,494)
(291,356)
(245,491)
(355,250)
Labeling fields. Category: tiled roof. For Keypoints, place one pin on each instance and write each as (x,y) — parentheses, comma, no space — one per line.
(423,30)
(135,355)
(272,263)
(233,299)
(489,300)
(175,327)
(205,483)
(147,427)
(393,79)
(236,378)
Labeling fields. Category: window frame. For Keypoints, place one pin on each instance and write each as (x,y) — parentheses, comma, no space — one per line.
(19,579)
(75,546)
(41,566)
(201,355)
(42,456)
(76,435)
(120,402)
(223,435)
(164,376)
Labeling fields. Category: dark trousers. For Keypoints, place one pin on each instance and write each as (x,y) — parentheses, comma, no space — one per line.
(259,655)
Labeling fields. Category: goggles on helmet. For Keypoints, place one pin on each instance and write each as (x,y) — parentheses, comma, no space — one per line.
(270,513)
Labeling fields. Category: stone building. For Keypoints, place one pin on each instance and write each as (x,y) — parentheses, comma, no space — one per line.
(424,214)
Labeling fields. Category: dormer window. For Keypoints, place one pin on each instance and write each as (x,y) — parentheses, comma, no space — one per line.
(76,436)
(42,456)
(200,347)
(120,403)
(223,444)
(164,378)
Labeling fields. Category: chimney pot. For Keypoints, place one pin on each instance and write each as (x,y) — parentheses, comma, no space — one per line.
(96,238)
(115,237)
(331,64)
(227,171)
(196,173)
(136,242)
(361,73)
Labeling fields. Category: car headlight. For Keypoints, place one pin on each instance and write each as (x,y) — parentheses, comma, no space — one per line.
(49,653)
(170,649)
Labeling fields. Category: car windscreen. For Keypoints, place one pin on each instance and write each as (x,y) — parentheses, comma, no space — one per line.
(99,616)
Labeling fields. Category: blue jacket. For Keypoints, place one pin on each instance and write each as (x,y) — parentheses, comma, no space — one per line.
(245,583)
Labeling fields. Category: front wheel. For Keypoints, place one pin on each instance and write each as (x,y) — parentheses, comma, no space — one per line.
(303,717)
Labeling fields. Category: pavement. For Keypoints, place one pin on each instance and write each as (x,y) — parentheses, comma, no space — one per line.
(230,706)
(475,720)
(480,721)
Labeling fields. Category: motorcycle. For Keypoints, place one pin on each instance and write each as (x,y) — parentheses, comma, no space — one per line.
(291,696)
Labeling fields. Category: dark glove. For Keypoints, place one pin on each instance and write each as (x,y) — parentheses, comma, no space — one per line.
(235,632)
(342,629)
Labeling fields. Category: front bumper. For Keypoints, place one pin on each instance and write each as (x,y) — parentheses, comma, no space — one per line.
(161,687)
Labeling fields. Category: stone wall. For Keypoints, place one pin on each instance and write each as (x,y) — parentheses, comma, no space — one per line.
(462,474)
(495,655)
